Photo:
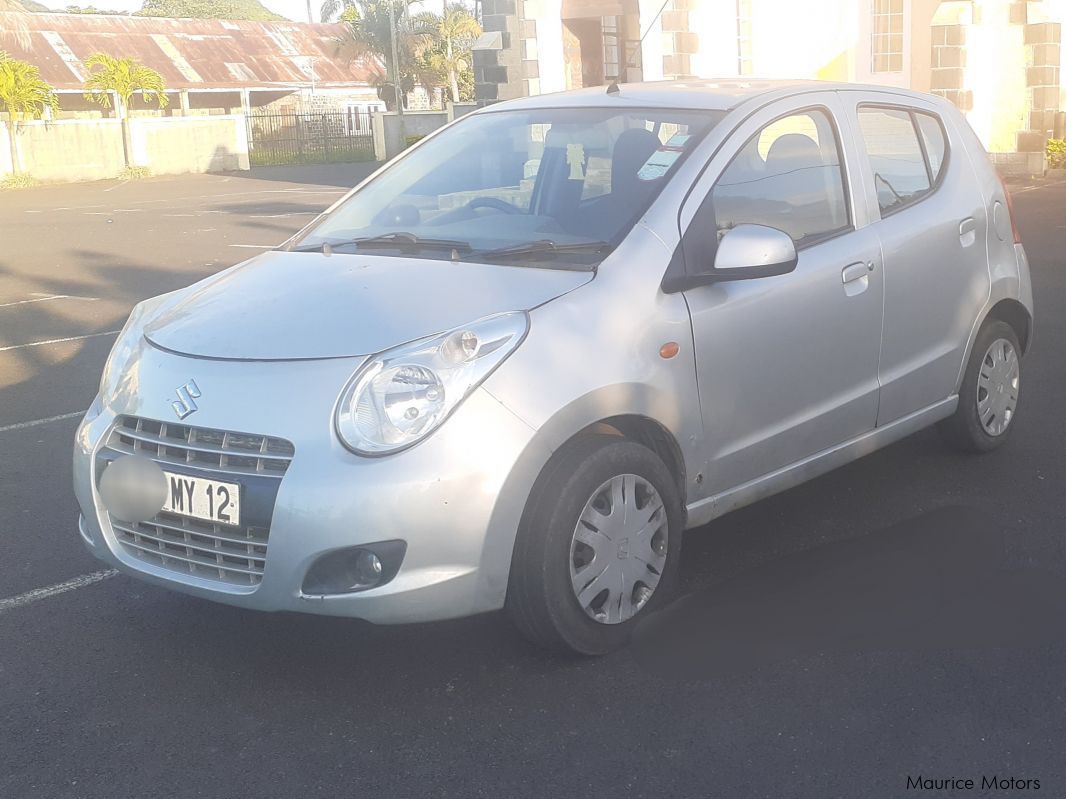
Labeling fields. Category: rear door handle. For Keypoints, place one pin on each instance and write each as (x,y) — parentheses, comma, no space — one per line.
(967,231)
(855,272)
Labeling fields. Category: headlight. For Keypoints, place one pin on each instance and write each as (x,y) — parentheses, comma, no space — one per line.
(402,395)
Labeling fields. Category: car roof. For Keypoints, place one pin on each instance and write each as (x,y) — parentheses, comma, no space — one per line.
(696,94)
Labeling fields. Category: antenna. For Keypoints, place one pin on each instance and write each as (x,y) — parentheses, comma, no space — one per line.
(614,88)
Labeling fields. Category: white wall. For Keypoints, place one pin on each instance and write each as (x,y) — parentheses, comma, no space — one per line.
(91,149)
(827,40)
(651,51)
(716,25)
(552,66)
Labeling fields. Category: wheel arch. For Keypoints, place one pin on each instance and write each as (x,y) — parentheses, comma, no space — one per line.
(1017,316)
(592,415)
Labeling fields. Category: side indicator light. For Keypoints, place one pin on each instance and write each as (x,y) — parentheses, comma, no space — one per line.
(669,350)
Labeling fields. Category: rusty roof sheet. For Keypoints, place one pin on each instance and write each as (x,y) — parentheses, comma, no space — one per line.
(188,53)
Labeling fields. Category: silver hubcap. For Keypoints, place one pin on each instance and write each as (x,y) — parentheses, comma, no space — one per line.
(618,552)
(997,387)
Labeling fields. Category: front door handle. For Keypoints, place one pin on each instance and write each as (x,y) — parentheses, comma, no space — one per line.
(856,278)
(856,272)
(967,231)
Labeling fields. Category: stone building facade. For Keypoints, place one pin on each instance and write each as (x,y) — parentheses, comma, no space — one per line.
(997,60)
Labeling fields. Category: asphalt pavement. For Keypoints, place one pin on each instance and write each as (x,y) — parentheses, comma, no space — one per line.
(901,617)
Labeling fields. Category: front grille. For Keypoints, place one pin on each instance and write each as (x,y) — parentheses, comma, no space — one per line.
(232,555)
(204,448)
(203,549)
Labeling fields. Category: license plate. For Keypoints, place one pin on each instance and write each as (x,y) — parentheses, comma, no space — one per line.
(210,500)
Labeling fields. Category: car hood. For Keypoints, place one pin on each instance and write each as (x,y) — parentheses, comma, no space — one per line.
(289,305)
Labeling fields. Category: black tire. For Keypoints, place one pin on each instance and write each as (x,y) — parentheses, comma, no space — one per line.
(540,595)
(963,429)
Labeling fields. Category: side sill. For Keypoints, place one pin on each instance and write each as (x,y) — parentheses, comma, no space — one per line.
(710,508)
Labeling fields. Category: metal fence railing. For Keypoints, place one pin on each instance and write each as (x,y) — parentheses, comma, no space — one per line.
(291,138)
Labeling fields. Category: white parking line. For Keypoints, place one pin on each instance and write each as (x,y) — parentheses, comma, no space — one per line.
(35,422)
(59,340)
(43,593)
(48,298)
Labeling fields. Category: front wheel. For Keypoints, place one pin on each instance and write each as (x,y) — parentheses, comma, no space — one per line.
(988,397)
(598,546)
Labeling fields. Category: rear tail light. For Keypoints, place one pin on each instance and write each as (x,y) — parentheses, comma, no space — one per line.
(1010,213)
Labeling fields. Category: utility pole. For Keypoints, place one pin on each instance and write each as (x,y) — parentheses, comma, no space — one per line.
(396,88)
(309,17)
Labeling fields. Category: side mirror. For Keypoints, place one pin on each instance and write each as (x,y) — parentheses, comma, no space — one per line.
(752,251)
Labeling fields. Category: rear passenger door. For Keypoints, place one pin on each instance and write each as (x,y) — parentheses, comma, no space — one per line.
(786,365)
(931,220)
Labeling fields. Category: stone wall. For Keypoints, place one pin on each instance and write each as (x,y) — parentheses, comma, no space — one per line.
(680,43)
(500,69)
(948,65)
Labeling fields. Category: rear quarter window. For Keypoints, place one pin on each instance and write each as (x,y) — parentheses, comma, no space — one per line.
(896,155)
(933,139)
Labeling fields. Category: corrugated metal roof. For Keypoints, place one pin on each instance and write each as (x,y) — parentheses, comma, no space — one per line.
(188,53)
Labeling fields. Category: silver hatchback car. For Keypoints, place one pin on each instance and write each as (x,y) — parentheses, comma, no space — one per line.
(515,364)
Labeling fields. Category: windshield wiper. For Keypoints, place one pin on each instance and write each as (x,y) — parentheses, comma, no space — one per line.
(540,247)
(400,239)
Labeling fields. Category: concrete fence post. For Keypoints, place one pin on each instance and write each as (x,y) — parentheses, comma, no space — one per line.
(8,149)
(377,124)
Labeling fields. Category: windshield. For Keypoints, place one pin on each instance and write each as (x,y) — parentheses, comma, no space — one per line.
(550,187)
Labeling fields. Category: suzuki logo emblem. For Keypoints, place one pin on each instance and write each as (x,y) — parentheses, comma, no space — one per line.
(185,404)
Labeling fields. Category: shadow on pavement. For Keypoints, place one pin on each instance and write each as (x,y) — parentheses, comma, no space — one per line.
(343,175)
(936,582)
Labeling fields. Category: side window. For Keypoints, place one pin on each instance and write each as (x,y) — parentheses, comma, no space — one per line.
(933,139)
(900,172)
(787,176)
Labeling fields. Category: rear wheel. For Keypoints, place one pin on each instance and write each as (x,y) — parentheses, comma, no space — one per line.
(598,546)
(988,397)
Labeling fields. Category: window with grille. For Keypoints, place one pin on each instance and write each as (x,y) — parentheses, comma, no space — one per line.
(886,42)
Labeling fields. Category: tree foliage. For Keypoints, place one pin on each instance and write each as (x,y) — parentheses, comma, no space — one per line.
(454,34)
(22,91)
(125,77)
(432,49)
(209,9)
(368,39)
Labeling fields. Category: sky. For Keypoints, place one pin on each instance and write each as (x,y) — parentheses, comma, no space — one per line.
(295,10)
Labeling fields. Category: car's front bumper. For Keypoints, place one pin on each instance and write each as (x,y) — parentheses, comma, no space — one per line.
(455,499)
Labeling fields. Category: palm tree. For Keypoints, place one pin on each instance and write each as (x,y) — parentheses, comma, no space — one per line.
(456,31)
(368,38)
(124,77)
(330,8)
(23,94)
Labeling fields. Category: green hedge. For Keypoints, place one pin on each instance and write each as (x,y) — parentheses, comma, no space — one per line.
(1056,153)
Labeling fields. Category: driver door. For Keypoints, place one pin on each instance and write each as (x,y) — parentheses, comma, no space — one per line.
(786,365)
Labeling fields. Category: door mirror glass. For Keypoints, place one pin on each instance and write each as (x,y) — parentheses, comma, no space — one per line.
(751,251)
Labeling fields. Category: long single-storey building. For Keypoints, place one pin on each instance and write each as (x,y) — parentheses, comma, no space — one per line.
(209,65)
